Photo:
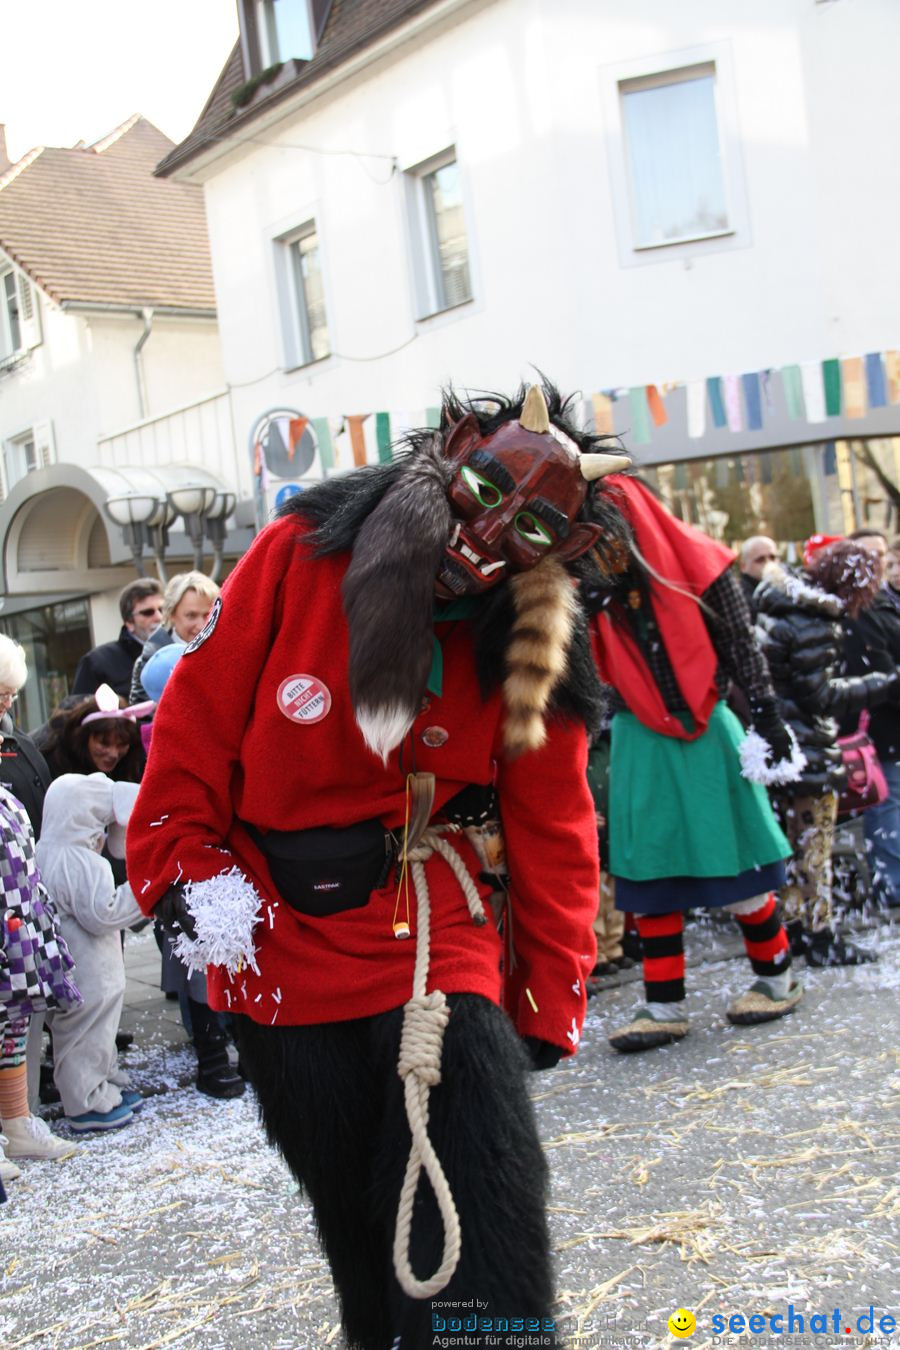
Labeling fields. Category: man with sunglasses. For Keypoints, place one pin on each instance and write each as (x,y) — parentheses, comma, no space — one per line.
(140,605)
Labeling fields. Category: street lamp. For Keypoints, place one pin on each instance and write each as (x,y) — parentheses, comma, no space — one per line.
(216,515)
(133,512)
(193,501)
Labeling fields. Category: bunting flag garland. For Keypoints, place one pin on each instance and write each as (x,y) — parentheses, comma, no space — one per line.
(323,436)
(603,415)
(296,428)
(750,384)
(716,406)
(813,391)
(765,381)
(854,386)
(357,437)
(831,378)
(793,392)
(656,406)
(734,413)
(639,433)
(696,408)
(875,380)
(383,437)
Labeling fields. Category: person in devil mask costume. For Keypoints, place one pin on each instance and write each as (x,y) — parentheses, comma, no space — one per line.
(398,645)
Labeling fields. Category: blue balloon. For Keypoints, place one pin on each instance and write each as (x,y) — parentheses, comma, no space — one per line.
(156,672)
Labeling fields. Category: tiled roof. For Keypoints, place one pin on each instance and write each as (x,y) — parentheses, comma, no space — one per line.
(351,26)
(93,224)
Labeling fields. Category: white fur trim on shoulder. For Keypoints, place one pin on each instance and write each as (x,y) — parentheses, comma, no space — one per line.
(225,911)
(754,751)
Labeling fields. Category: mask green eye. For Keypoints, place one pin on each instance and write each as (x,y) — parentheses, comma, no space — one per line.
(532,529)
(482,488)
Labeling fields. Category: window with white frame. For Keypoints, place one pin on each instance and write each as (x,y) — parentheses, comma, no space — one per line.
(19,315)
(439,239)
(285,31)
(676,174)
(302,292)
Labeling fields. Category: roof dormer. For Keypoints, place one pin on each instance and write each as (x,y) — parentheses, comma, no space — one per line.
(275,31)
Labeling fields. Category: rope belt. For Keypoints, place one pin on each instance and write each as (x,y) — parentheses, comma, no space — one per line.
(425,1017)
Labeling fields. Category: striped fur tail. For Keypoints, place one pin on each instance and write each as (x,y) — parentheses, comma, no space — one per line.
(538,651)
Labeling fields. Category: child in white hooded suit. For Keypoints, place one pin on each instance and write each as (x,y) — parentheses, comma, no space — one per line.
(81,813)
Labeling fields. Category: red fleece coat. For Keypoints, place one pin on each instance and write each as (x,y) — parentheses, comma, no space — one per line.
(224,752)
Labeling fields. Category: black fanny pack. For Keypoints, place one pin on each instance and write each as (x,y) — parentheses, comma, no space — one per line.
(324,871)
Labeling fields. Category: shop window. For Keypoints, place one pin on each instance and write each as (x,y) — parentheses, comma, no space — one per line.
(55,637)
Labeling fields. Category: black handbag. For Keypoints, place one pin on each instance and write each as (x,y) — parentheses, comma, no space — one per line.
(325,871)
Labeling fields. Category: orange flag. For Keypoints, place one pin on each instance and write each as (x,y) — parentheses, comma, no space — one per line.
(656,406)
(357,439)
(296,428)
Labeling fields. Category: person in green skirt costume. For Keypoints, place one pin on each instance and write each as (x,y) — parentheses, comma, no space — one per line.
(690,824)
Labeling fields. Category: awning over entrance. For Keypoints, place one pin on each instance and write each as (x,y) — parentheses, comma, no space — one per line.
(55,535)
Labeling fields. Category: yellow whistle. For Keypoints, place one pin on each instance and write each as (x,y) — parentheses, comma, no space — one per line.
(401,930)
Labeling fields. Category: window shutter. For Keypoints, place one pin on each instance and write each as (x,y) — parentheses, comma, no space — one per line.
(44,445)
(29,313)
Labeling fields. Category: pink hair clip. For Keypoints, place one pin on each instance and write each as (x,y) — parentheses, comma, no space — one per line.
(108,704)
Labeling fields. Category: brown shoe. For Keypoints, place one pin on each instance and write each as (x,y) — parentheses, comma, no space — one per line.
(643,1032)
(760,1004)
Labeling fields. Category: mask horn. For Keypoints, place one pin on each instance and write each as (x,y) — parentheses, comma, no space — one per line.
(534,416)
(598,466)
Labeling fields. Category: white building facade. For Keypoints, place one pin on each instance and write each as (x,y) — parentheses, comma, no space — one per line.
(111,386)
(673,209)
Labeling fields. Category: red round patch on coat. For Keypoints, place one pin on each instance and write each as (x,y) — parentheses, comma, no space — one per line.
(304,699)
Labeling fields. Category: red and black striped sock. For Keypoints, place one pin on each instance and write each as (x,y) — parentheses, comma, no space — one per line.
(662,946)
(766,941)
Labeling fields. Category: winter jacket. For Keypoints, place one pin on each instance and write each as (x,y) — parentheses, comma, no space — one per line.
(872,642)
(111,663)
(800,633)
(79,810)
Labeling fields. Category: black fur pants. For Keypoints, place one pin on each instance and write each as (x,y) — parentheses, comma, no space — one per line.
(331,1100)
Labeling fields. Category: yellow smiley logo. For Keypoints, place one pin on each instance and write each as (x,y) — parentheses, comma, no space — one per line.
(682,1323)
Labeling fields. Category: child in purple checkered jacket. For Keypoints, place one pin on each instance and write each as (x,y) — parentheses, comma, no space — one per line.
(34,966)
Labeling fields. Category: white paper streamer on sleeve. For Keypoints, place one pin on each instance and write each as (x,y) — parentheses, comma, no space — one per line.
(225,911)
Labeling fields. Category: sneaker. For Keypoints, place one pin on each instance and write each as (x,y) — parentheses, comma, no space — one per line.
(133,1100)
(762,1004)
(124,1040)
(644,1032)
(8,1170)
(101,1120)
(31,1137)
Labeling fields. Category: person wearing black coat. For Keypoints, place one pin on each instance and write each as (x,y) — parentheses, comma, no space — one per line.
(23,771)
(799,628)
(112,663)
(872,642)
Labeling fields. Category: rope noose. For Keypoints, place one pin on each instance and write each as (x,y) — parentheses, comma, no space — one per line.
(425,1018)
